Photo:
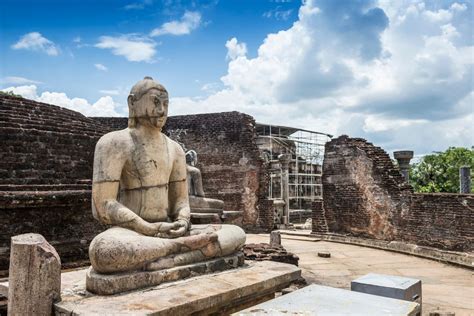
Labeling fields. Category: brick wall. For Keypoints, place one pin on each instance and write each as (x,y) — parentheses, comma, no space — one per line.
(46,157)
(441,220)
(229,160)
(365,195)
(45,144)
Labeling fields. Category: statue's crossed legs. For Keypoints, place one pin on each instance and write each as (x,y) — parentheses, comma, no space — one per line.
(120,249)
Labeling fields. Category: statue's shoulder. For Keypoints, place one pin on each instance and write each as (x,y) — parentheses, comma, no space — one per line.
(119,140)
(174,146)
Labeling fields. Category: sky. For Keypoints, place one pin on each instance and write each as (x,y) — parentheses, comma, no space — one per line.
(397,73)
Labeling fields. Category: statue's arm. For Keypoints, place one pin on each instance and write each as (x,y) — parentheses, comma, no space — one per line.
(109,158)
(178,188)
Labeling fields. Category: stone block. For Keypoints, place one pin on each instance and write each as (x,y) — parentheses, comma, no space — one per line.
(322,300)
(401,288)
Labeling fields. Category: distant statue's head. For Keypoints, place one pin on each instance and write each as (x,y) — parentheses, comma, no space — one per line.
(147,104)
(191,157)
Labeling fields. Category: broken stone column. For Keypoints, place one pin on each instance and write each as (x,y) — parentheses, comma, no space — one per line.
(275,238)
(34,282)
(465,179)
(403,158)
(285,192)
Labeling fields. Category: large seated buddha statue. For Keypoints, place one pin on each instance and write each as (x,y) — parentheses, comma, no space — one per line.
(139,187)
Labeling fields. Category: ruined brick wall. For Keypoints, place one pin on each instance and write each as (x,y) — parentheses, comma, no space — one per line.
(228,157)
(441,220)
(46,157)
(365,195)
(45,144)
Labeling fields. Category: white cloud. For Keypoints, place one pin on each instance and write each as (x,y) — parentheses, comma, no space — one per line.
(28,92)
(399,75)
(132,47)
(111,92)
(36,42)
(18,81)
(100,67)
(105,106)
(138,5)
(278,14)
(188,22)
(459,7)
(77,39)
(235,49)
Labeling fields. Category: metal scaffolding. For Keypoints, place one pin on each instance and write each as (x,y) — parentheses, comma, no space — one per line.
(306,149)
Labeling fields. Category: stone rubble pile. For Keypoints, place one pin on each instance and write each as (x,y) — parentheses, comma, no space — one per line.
(266,252)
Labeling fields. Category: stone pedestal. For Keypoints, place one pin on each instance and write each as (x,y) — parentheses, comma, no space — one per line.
(108,284)
(206,210)
(224,292)
(34,276)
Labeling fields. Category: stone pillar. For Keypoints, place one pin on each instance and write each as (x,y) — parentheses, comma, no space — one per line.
(284,163)
(275,238)
(465,179)
(403,158)
(34,282)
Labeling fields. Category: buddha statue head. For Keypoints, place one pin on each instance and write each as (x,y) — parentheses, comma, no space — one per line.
(148,104)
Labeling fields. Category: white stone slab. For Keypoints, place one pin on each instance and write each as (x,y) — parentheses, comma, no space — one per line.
(322,300)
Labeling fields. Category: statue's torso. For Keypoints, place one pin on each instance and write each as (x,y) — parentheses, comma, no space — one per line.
(145,177)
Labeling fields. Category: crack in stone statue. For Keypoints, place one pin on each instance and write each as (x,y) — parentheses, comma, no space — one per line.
(139,186)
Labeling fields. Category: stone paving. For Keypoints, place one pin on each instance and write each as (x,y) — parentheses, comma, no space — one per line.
(447,287)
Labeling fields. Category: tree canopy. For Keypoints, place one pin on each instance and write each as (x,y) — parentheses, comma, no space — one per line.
(439,172)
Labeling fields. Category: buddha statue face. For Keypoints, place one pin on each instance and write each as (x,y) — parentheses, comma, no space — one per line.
(148,104)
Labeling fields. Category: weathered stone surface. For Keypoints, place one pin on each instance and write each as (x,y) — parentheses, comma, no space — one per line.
(322,300)
(206,294)
(35,276)
(267,252)
(107,284)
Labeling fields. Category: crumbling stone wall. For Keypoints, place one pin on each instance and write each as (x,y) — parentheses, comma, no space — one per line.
(46,157)
(228,157)
(365,195)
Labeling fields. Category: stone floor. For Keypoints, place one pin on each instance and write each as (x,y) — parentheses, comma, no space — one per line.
(447,287)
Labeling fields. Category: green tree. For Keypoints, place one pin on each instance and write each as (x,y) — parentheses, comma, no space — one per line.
(439,172)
